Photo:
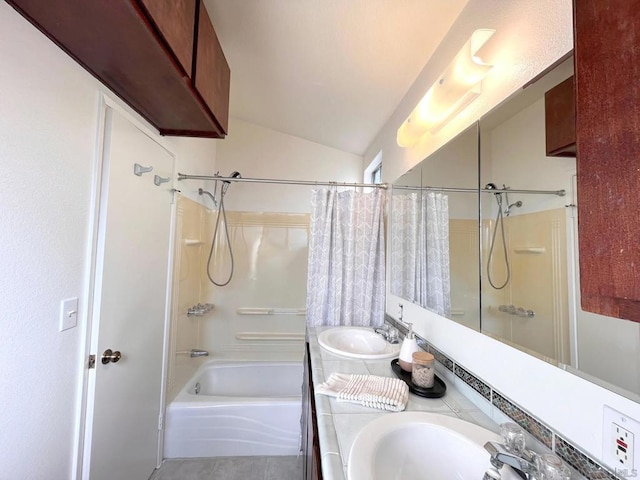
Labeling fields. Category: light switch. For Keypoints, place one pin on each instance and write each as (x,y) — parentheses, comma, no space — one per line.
(68,313)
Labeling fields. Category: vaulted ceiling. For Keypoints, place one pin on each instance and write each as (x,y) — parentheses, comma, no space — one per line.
(329,71)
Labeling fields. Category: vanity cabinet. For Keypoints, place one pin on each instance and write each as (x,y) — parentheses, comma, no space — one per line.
(560,120)
(143,50)
(607,60)
(310,443)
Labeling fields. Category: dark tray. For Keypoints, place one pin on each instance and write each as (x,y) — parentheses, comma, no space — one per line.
(438,390)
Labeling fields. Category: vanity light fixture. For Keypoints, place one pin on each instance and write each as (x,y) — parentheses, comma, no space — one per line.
(458,86)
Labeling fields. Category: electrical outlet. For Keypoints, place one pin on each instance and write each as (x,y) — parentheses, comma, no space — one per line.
(621,437)
(623,443)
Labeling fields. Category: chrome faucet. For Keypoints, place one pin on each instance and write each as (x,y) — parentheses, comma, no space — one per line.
(390,334)
(198,353)
(526,463)
(523,463)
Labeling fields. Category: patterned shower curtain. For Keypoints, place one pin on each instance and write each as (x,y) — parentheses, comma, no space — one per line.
(420,270)
(346,278)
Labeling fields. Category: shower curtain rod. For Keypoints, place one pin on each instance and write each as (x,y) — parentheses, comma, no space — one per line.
(182,176)
(560,193)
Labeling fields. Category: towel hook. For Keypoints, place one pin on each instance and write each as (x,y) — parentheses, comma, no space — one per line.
(158,180)
(139,169)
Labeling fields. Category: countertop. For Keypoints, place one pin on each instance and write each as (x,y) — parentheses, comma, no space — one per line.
(339,423)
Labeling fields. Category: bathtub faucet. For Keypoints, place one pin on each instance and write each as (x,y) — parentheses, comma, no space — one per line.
(198,353)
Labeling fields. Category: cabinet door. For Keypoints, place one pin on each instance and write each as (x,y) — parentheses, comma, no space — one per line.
(608,161)
(212,74)
(175,20)
(560,120)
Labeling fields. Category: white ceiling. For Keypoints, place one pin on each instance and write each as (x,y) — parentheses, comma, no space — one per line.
(330,71)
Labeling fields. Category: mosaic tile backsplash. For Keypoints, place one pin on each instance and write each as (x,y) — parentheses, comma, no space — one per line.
(570,453)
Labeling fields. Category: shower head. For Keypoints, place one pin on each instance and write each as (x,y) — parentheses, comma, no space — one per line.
(517,204)
(233,175)
(226,183)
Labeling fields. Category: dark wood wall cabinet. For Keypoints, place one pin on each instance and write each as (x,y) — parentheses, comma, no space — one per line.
(560,120)
(162,57)
(607,60)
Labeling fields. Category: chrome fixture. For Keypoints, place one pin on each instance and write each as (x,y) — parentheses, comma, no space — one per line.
(390,334)
(109,356)
(204,192)
(517,204)
(226,182)
(198,353)
(197,388)
(139,169)
(280,181)
(158,180)
(526,463)
(199,310)
(500,223)
(523,462)
(518,311)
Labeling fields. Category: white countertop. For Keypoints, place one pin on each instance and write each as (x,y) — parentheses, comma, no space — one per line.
(339,422)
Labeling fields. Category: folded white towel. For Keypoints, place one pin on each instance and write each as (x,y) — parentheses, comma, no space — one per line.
(385,393)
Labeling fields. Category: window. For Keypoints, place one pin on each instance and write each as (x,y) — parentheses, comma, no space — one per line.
(373,173)
(376,174)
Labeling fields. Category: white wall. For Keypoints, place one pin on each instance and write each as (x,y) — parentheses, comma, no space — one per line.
(48,123)
(530,35)
(270,251)
(259,152)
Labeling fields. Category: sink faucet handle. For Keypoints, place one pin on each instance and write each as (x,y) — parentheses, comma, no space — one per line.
(513,437)
(393,336)
(551,467)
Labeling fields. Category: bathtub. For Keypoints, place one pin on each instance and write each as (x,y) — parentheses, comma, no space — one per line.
(242,408)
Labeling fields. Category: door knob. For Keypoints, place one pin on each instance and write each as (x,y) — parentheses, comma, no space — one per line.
(110,356)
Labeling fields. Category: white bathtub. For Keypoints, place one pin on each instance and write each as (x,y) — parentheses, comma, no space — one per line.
(243,408)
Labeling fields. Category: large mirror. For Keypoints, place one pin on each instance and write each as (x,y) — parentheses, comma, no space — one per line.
(434,232)
(523,268)
(526,237)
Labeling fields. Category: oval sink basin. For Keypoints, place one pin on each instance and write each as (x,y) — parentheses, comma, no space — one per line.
(421,445)
(357,342)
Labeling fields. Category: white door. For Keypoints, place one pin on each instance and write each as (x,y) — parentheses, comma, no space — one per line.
(124,399)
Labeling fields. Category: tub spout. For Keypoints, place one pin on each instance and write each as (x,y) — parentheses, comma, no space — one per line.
(198,353)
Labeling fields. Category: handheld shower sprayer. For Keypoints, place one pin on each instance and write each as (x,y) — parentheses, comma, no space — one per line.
(221,214)
(226,183)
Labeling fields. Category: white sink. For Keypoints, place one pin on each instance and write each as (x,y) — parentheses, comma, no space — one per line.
(421,445)
(357,342)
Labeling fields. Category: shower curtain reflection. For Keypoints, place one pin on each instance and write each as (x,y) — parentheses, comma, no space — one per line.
(420,267)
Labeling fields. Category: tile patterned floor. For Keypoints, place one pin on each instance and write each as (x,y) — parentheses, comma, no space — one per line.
(231,468)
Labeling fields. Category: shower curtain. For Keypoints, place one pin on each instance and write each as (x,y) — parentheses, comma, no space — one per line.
(346,277)
(420,271)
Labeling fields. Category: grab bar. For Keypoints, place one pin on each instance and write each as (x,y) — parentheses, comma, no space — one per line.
(270,336)
(199,310)
(518,311)
(271,311)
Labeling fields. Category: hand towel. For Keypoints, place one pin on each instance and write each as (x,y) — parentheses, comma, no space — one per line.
(385,393)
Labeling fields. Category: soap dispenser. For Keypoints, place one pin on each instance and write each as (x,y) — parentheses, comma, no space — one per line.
(409,345)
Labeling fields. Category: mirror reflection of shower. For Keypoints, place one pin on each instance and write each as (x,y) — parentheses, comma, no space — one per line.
(504,209)
(219,205)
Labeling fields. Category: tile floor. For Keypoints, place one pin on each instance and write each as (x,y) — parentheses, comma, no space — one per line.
(231,468)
